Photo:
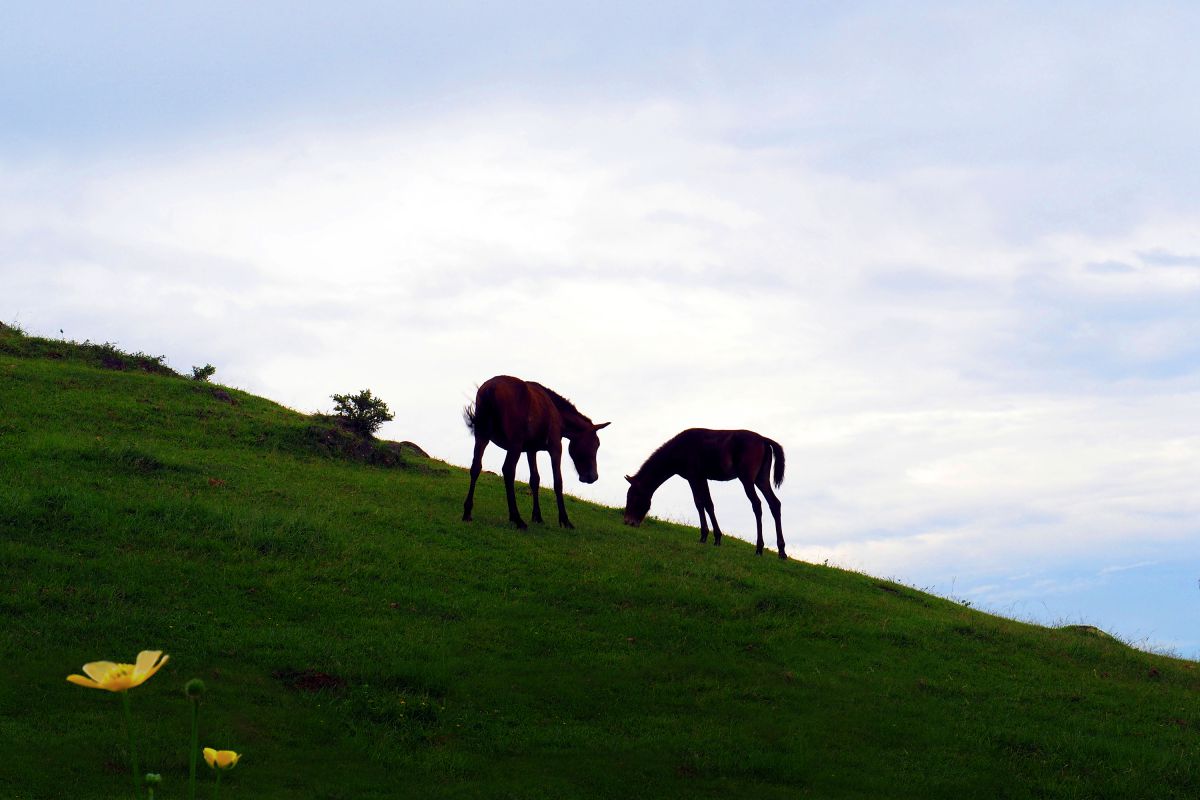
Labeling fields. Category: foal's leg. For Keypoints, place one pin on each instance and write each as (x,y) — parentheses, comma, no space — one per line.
(556,468)
(510,476)
(534,483)
(755,504)
(699,490)
(708,504)
(476,465)
(764,484)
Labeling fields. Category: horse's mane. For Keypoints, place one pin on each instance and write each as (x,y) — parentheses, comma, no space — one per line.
(561,403)
(657,455)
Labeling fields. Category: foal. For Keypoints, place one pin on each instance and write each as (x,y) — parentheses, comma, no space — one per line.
(699,455)
(525,417)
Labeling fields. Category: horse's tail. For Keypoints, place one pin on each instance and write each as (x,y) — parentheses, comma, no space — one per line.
(469,416)
(777,450)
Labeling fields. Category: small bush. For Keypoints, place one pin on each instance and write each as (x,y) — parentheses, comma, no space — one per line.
(203,373)
(110,356)
(362,413)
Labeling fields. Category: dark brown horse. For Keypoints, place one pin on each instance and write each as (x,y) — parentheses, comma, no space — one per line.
(699,455)
(525,417)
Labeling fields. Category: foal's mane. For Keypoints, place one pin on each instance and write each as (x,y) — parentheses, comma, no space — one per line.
(561,403)
(657,455)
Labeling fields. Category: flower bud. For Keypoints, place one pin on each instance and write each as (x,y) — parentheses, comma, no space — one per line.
(221,759)
(194,688)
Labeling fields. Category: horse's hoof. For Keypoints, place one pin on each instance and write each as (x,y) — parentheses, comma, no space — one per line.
(782,556)
(466,517)
(520,523)
(758,552)
(563,523)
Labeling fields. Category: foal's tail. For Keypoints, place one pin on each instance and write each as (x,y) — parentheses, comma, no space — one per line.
(777,449)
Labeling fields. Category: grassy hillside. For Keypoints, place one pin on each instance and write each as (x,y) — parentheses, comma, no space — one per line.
(359,641)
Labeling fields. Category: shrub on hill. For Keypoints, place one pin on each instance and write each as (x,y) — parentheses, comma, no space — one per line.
(203,373)
(362,413)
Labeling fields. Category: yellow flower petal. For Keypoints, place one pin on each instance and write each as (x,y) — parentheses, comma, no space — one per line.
(109,676)
(98,670)
(147,664)
(82,681)
(221,759)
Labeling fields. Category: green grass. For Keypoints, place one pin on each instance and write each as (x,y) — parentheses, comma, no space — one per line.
(359,641)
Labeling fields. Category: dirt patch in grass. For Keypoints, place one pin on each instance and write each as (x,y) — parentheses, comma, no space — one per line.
(309,680)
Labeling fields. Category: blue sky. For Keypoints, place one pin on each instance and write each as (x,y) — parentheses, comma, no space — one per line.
(948,255)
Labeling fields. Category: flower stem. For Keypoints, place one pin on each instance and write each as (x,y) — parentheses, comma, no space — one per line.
(132,749)
(217,788)
(195,749)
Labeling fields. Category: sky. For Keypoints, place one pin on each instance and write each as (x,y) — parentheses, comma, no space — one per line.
(947,254)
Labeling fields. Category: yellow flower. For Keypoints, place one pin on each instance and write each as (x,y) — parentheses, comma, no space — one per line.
(221,759)
(120,677)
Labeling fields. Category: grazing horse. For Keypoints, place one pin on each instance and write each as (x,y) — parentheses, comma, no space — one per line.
(699,455)
(525,417)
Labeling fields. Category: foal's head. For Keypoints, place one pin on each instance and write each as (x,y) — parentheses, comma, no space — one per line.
(582,449)
(637,502)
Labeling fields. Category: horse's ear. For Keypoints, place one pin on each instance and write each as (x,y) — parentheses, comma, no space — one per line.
(629,479)
(601,425)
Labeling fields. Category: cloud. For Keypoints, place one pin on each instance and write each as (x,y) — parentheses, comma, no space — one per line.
(1109,268)
(1126,567)
(1164,258)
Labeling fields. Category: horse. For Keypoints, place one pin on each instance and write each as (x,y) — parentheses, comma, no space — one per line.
(525,417)
(699,455)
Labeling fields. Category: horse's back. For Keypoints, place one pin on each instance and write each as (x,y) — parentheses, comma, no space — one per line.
(721,454)
(512,412)
(501,383)
(711,439)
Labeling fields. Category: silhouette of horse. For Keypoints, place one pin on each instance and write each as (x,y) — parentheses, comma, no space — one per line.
(699,455)
(525,417)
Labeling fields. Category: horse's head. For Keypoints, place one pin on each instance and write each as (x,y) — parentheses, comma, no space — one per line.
(637,502)
(582,450)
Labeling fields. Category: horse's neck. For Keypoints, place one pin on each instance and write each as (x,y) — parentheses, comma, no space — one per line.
(658,468)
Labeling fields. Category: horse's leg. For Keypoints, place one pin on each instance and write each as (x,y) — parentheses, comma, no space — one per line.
(510,476)
(481,444)
(699,489)
(534,483)
(755,504)
(556,468)
(764,484)
(708,503)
